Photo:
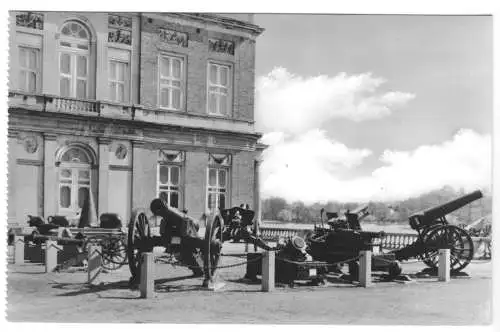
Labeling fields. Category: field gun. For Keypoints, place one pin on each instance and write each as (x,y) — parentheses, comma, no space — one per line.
(434,233)
(344,239)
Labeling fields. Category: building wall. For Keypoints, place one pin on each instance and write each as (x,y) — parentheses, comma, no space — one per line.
(41,125)
(47,40)
(196,56)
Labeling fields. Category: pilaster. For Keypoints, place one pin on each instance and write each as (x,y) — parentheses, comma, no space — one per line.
(50,192)
(103,193)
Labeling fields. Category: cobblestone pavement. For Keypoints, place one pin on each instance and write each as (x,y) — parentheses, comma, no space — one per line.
(179,298)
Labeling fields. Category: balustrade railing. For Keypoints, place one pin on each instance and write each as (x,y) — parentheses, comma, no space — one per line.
(60,104)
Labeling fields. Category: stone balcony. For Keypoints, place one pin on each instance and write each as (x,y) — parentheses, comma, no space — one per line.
(106,109)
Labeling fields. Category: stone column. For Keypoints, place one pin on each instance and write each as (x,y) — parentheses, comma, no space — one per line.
(50,190)
(103,175)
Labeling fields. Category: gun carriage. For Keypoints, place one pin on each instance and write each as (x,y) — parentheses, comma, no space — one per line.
(343,239)
(109,235)
(179,236)
(434,233)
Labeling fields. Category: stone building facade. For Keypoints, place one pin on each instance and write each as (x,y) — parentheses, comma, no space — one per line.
(128,107)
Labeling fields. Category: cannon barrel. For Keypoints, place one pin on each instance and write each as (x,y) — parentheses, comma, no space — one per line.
(360,210)
(160,207)
(446,208)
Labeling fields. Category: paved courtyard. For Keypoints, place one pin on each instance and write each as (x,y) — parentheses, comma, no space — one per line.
(179,298)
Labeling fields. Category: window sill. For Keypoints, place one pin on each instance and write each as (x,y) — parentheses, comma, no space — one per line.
(119,45)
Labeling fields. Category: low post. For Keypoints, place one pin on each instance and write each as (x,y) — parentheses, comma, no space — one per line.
(94,264)
(18,249)
(365,268)
(51,249)
(268,271)
(147,283)
(444,265)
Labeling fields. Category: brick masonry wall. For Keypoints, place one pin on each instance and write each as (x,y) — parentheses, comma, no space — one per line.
(143,176)
(242,179)
(196,56)
(195,183)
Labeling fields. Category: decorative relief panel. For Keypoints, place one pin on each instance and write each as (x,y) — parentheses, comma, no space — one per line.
(219,159)
(119,29)
(221,46)
(30,20)
(169,156)
(30,144)
(173,37)
(121,152)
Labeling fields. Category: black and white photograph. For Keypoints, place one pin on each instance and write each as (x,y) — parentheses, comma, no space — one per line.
(235,167)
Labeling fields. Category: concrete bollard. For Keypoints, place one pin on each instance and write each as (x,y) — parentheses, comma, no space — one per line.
(147,283)
(94,264)
(444,265)
(365,268)
(18,249)
(51,249)
(268,271)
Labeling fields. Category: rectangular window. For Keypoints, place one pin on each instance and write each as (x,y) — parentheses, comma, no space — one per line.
(29,69)
(171,79)
(73,75)
(169,177)
(118,82)
(217,188)
(219,89)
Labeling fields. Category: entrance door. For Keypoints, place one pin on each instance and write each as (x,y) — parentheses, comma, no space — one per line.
(74,181)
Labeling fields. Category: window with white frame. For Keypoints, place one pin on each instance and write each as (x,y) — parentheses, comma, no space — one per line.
(74,61)
(219,89)
(169,183)
(74,180)
(217,188)
(118,81)
(29,69)
(171,81)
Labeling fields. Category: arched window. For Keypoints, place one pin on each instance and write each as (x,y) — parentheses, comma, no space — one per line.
(74,59)
(74,179)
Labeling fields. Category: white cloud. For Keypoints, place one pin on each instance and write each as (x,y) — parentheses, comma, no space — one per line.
(306,168)
(294,104)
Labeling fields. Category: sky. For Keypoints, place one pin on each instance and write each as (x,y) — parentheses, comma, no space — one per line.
(373,107)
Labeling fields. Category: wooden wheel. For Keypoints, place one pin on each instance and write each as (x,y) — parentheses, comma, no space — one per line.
(139,241)
(114,253)
(213,245)
(448,237)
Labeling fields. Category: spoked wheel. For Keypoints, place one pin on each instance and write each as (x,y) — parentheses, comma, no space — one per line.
(213,246)
(114,254)
(139,241)
(448,237)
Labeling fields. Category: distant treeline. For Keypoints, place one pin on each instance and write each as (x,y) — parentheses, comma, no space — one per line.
(276,208)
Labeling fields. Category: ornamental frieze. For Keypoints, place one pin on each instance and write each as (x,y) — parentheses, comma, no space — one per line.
(30,20)
(221,46)
(119,29)
(173,37)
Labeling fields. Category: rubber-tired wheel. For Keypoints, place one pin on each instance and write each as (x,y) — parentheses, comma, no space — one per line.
(213,245)
(139,241)
(448,237)
(394,269)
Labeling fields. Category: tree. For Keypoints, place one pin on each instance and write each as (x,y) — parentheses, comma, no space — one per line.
(285,215)
(273,206)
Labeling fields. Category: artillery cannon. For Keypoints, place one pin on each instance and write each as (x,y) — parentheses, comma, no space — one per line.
(179,236)
(434,233)
(108,235)
(343,240)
